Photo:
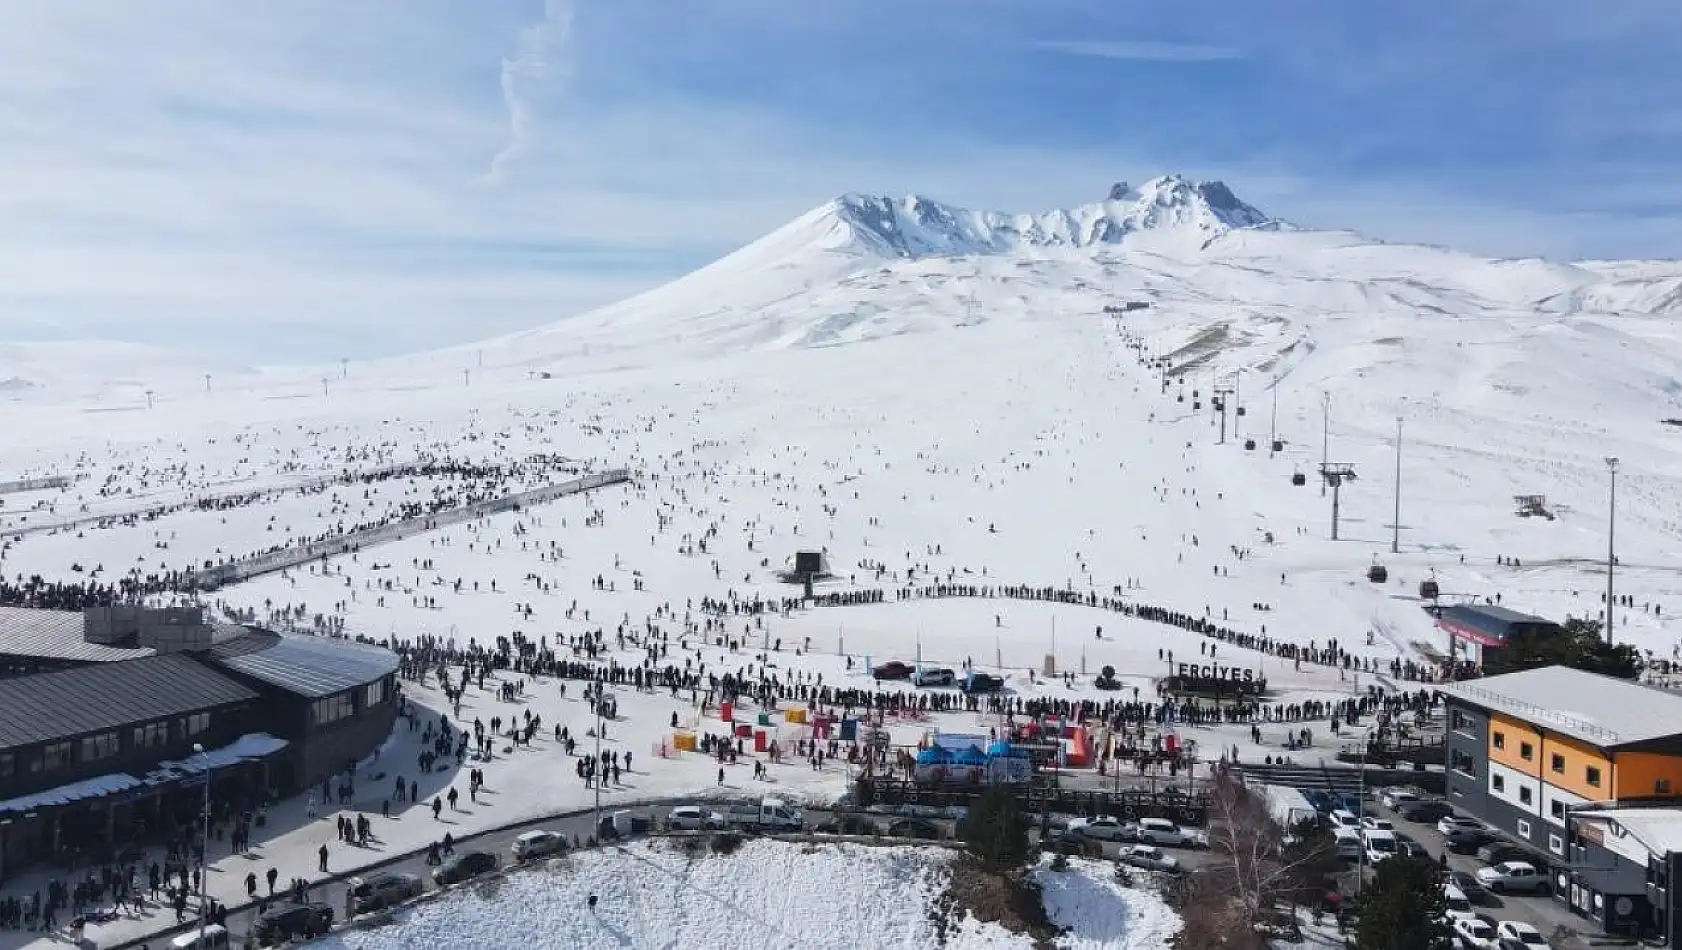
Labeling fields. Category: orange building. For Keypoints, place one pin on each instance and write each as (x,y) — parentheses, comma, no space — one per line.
(1526,749)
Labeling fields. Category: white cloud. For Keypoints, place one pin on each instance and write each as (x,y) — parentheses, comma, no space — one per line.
(539,57)
(1146,50)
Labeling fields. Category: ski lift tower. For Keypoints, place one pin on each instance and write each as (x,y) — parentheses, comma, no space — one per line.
(1219,405)
(1334,474)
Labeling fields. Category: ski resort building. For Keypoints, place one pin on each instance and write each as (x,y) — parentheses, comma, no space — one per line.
(1527,750)
(111,717)
(1476,629)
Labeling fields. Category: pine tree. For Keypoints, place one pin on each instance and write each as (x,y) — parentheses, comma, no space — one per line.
(1403,907)
(995,831)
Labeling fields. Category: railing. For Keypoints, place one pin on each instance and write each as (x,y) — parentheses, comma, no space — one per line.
(1538,713)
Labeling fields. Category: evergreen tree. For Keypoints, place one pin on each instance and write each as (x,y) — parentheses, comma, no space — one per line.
(1403,907)
(995,830)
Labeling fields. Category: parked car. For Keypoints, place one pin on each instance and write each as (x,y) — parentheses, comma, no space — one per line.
(892,670)
(1374,823)
(1075,846)
(934,677)
(1104,828)
(1474,933)
(1449,824)
(1455,903)
(1394,796)
(383,890)
(1467,841)
(981,683)
(1469,885)
(847,824)
(621,824)
(694,818)
(1425,811)
(1518,935)
(915,828)
(1148,857)
(1409,848)
(1161,831)
(1513,876)
(1344,818)
(1496,852)
(465,865)
(1379,845)
(536,844)
(289,921)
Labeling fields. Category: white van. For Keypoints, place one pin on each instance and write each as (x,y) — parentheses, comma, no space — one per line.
(1379,845)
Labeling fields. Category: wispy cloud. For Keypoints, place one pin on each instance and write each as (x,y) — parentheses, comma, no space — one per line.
(539,57)
(1144,50)
(313,175)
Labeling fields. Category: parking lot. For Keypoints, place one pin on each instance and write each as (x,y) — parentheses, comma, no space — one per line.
(1540,911)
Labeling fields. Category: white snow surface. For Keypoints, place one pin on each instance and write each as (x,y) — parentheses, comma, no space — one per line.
(975,417)
(766,895)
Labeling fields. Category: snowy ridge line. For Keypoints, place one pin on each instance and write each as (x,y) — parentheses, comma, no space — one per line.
(244,569)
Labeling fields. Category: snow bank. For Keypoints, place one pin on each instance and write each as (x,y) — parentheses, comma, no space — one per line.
(765,895)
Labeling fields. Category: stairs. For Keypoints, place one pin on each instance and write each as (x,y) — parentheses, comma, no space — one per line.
(1340,779)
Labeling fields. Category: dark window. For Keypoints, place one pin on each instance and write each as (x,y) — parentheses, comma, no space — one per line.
(1498,782)
(1524,795)
(151,735)
(55,756)
(194,725)
(330,709)
(102,746)
(1661,786)
(1556,808)
(1464,764)
(1526,751)
(1557,763)
(1499,740)
(1591,774)
(8,765)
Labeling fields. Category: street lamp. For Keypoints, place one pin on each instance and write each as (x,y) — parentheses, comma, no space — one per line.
(1611,525)
(204,849)
(1325,433)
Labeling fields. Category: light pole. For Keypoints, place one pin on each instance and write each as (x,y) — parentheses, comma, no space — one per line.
(1273,418)
(1396,517)
(1325,433)
(596,780)
(204,849)
(1611,550)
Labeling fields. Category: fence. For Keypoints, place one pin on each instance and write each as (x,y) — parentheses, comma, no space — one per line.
(246,568)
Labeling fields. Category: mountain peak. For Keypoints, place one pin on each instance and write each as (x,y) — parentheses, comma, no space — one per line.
(917,226)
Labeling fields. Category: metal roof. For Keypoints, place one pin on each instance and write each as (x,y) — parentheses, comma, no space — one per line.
(1601,710)
(1658,829)
(308,666)
(69,703)
(56,635)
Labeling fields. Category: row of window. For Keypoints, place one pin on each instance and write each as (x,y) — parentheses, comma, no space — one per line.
(1556,761)
(100,746)
(330,709)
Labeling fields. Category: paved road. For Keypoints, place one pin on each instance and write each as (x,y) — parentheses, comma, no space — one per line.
(576,825)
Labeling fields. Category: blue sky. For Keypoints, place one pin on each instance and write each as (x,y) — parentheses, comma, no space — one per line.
(311,179)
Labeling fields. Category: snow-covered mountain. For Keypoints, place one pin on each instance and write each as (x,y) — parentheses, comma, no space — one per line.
(1232,287)
(915,226)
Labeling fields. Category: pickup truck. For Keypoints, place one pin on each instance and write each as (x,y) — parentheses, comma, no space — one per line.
(770,814)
